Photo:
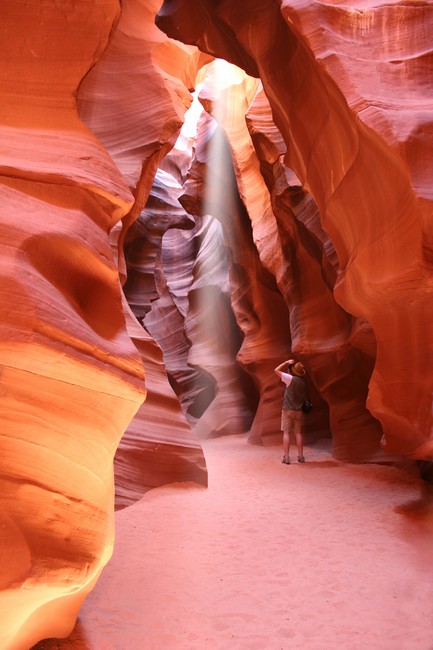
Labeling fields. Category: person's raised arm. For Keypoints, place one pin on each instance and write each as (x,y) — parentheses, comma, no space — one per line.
(283,367)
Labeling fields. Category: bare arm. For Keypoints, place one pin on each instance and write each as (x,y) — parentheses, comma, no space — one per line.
(283,367)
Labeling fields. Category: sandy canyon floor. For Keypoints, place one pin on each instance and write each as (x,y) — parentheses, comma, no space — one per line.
(320,556)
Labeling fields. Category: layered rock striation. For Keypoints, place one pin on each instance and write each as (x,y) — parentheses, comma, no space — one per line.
(163,278)
(134,99)
(71,378)
(179,288)
(360,165)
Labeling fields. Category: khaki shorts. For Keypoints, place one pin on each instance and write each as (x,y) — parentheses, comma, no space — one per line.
(291,421)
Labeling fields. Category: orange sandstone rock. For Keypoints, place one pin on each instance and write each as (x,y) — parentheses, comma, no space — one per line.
(158,446)
(307,273)
(326,241)
(372,206)
(71,378)
(178,286)
(135,99)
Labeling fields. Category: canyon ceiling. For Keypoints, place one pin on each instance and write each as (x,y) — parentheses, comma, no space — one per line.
(190,193)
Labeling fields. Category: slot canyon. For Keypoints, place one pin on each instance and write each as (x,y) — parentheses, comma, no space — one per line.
(192,192)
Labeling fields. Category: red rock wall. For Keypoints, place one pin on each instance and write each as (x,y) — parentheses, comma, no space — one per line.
(158,446)
(134,99)
(282,270)
(326,253)
(345,141)
(178,286)
(71,378)
(323,333)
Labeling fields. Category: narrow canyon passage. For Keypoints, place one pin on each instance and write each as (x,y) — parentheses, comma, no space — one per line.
(317,556)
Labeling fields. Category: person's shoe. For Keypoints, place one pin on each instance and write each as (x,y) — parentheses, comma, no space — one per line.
(301,459)
(286,460)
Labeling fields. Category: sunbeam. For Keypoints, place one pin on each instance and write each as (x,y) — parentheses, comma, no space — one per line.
(216,336)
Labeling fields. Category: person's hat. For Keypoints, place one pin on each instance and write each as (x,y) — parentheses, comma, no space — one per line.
(298,369)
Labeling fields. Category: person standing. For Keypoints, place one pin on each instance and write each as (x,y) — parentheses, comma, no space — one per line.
(292,373)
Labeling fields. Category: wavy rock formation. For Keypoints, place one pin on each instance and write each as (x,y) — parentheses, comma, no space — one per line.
(307,272)
(351,153)
(158,446)
(71,378)
(178,287)
(134,99)
(293,219)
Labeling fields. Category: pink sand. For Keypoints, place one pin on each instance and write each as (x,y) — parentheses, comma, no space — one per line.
(317,556)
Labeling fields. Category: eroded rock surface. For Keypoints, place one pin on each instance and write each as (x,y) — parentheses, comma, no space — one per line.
(179,288)
(134,99)
(295,220)
(367,185)
(71,378)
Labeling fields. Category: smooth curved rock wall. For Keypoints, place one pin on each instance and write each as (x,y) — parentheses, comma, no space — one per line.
(71,378)
(372,206)
(327,255)
(178,287)
(134,99)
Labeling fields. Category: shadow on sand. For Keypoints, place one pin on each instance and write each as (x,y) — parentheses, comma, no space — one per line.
(321,464)
(76,640)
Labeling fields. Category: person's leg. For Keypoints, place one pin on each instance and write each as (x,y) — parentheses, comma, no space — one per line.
(299,437)
(300,446)
(286,436)
(286,446)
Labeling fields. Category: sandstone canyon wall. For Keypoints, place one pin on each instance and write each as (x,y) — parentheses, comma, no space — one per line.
(292,246)
(138,128)
(72,379)
(349,91)
(162,274)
